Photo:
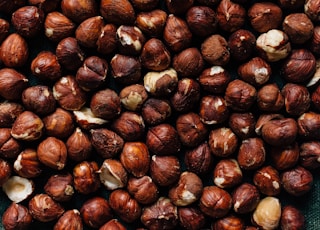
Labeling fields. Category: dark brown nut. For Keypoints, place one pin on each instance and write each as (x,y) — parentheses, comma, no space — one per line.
(126,207)
(222,142)
(126,70)
(112,174)
(52,152)
(309,154)
(251,154)
(314,44)
(12,84)
(186,96)
(59,124)
(16,216)
(267,180)
(264,16)
(57,26)
(267,214)
(119,12)
(215,202)
(107,143)
(27,164)
(285,157)
(296,99)
(4,29)
(256,71)
(130,40)
(214,79)
(14,51)
(280,132)
(242,124)
(152,23)
(202,21)
(69,53)
(45,5)
(132,97)
(291,5)
(162,214)
(145,5)
(213,110)
(315,99)
(113,224)
(9,146)
(105,104)
(28,126)
(88,32)
(227,173)
(93,73)
(297,181)
(199,159)
(188,63)
(43,208)
(270,98)
(214,50)
(191,218)
(70,219)
(228,222)
(245,198)
(272,49)
(163,139)
(18,188)
(155,111)
(78,145)
(85,177)
(143,189)
(96,211)
(241,44)
(79,10)
(240,95)
(5,171)
(87,120)
(308,124)
(265,118)
(178,7)
(292,218)
(311,8)
(155,56)
(68,93)
(135,158)
(9,111)
(46,67)
(164,170)
(231,16)
(107,40)
(187,190)
(129,125)
(28,21)
(176,33)
(60,187)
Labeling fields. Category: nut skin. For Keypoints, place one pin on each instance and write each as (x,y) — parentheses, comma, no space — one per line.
(113,224)
(245,198)
(69,220)
(16,216)
(4,29)
(126,207)
(130,40)
(87,120)
(315,99)
(143,189)
(222,142)
(27,164)
(297,181)
(78,145)
(118,12)
(228,222)
(107,40)
(79,10)
(265,118)
(314,45)
(9,111)
(270,98)
(285,157)
(9,146)
(5,171)
(227,173)
(45,5)
(188,63)
(88,32)
(213,110)
(12,83)
(242,124)
(296,99)
(214,80)
(162,214)
(132,97)
(307,125)
(96,211)
(112,174)
(155,111)
(44,209)
(267,180)
(60,187)
(85,177)
(214,50)
(191,218)
(292,218)
(311,10)
(251,154)
(241,44)
(151,23)
(309,154)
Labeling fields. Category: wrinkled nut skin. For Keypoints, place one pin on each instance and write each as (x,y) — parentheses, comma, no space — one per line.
(267,180)
(270,98)
(292,218)
(241,44)
(27,164)
(265,118)
(60,187)
(4,29)
(9,111)
(214,50)
(242,124)
(113,224)
(5,171)
(79,10)
(162,214)
(188,63)
(88,32)
(228,222)
(309,154)
(296,99)
(143,189)
(16,216)
(151,23)
(78,145)
(71,219)
(132,97)
(213,110)
(285,157)
(215,202)
(107,40)
(308,124)
(12,83)
(163,139)
(9,146)
(126,207)
(214,79)
(251,154)
(130,40)
(85,177)
(222,142)
(191,218)
(227,173)
(297,181)
(44,209)
(311,9)
(245,198)
(314,46)
(118,12)
(155,111)
(52,152)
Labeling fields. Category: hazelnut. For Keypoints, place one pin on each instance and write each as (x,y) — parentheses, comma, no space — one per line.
(214,79)
(16,216)
(314,42)
(245,198)
(292,218)
(213,110)
(267,180)
(191,218)
(151,23)
(222,142)
(85,177)
(228,222)
(162,214)
(4,29)
(309,154)
(155,111)
(89,30)
(296,98)
(267,214)
(28,126)
(126,207)
(241,44)
(242,124)
(9,111)
(107,143)
(311,10)
(315,98)
(188,63)
(12,83)
(27,164)
(87,120)
(307,125)
(214,50)
(52,152)
(145,5)
(265,118)
(112,224)
(70,219)
(163,139)
(285,157)
(18,188)
(120,12)
(132,97)
(60,187)
(45,5)
(79,10)
(112,174)
(227,173)
(78,145)
(5,171)
(215,202)
(270,98)
(297,181)
(96,211)
(107,40)
(176,33)
(143,189)
(9,146)
(251,154)
(130,40)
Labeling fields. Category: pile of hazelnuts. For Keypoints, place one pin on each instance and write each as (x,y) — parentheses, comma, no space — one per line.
(150,114)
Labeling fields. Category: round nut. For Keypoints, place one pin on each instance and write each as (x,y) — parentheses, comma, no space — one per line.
(267,180)
(60,187)
(69,219)
(85,177)
(245,198)
(16,216)
(227,173)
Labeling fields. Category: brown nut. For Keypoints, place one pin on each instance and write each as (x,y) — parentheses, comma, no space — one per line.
(78,145)
(188,63)
(307,125)
(241,44)
(296,99)
(9,146)
(265,118)
(242,124)
(314,46)
(12,83)
(119,12)
(145,5)
(155,111)
(285,157)
(270,98)
(89,30)
(16,216)
(222,142)
(228,222)
(9,111)
(251,154)
(85,177)
(214,79)
(5,171)
(60,187)
(70,219)
(191,218)
(27,164)
(309,154)
(112,174)
(113,224)
(311,9)
(267,180)
(126,207)
(214,50)
(4,29)
(227,173)
(107,40)
(292,218)
(213,110)
(87,120)
(45,5)
(162,214)
(130,40)
(315,98)
(132,97)
(79,10)
(143,189)
(245,198)
(151,23)
(52,152)
(43,208)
